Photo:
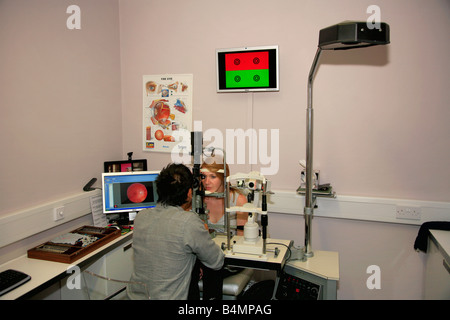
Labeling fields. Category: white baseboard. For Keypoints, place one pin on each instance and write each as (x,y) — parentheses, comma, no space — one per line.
(359,208)
(28,222)
(25,223)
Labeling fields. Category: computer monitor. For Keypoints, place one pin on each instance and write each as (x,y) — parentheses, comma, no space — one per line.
(129,191)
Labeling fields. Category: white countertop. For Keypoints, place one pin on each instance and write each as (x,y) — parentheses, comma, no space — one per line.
(324,264)
(43,271)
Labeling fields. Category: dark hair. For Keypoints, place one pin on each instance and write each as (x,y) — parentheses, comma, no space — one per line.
(173,184)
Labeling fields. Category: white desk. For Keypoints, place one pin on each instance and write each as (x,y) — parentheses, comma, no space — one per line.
(44,273)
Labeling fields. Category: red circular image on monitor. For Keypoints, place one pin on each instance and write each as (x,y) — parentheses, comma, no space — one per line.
(137,192)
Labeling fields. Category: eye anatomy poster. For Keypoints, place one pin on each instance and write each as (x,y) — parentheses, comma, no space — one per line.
(167,111)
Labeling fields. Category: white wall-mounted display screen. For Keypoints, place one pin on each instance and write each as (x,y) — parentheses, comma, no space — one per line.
(247,69)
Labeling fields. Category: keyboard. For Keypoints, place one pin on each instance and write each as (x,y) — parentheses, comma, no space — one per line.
(11,279)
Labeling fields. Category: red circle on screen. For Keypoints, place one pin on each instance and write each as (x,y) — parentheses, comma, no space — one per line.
(137,192)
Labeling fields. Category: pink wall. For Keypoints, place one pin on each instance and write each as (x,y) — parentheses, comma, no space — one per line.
(59,98)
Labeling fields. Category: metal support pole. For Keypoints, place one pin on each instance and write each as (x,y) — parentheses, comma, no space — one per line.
(264,217)
(309,199)
(227,215)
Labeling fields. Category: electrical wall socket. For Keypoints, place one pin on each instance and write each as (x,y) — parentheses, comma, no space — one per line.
(58,213)
(408,212)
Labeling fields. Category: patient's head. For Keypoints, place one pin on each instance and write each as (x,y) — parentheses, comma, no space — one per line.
(213,173)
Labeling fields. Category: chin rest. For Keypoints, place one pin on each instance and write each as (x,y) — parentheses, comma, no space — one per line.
(233,285)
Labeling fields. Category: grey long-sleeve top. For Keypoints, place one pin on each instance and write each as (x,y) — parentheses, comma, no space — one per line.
(166,242)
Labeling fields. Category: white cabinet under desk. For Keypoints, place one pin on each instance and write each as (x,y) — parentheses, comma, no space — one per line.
(116,264)
(437,271)
(314,279)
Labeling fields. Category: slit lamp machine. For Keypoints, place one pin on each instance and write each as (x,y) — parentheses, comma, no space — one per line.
(254,185)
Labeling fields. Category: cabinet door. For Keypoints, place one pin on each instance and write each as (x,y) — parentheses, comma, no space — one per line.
(81,286)
(119,266)
(119,263)
(116,264)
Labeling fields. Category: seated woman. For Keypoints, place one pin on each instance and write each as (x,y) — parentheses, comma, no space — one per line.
(213,182)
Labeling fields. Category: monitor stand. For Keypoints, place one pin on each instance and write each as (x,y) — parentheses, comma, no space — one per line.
(120,219)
